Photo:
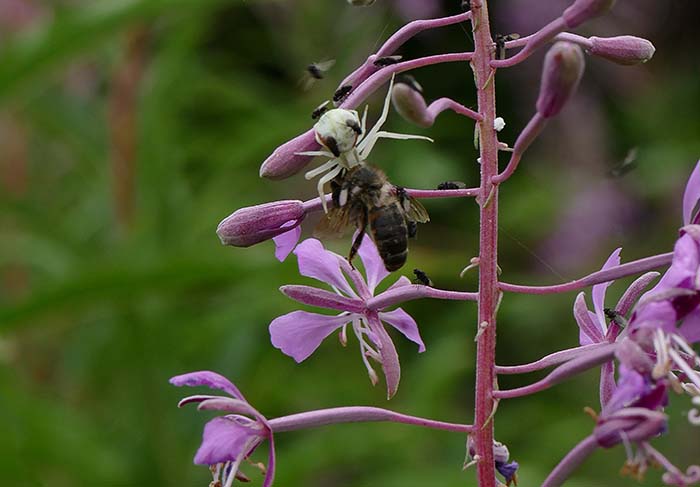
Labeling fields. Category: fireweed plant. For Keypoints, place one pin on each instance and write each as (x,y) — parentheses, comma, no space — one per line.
(643,344)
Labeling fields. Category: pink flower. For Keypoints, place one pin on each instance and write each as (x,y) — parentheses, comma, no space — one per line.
(299,333)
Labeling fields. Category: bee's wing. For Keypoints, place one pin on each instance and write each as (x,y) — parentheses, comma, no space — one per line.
(416,211)
(325,65)
(334,223)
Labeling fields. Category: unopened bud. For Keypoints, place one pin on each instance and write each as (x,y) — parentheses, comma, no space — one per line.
(627,50)
(255,224)
(582,10)
(285,160)
(561,74)
(408,101)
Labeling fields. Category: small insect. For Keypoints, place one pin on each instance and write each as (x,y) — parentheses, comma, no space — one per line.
(361,3)
(451,185)
(315,72)
(628,164)
(387,61)
(364,198)
(341,93)
(319,110)
(422,278)
(501,44)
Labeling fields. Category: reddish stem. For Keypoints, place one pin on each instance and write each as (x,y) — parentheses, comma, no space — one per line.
(488,245)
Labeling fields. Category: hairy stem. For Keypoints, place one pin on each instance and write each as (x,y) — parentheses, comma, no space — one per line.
(488,245)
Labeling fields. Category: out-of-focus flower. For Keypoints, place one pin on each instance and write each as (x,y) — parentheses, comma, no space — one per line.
(229,439)
(299,333)
(625,50)
(561,74)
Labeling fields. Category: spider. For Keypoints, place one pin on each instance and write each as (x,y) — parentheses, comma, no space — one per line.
(347,142)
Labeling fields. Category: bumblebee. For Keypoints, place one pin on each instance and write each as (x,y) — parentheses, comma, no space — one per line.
(363,197)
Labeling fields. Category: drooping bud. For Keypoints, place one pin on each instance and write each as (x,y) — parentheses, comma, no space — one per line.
(408,101)
(255,224)
(285,161)
(561,74)
(626,50)
(582,10)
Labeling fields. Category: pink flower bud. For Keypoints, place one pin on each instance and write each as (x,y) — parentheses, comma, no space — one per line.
(582,10)
(284,161)
(631,425)
(561,73)
(625,50)
(255,224)
(408,100)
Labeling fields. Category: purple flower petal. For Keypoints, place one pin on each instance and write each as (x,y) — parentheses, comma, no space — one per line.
(321,264)
(607,382)
(589,328)
(225,440)
(691,195)
(598,293)
(285,243)
(389,357)
(208,379)
(227,404)
(690,327)
(405,323)
(373,263)
(508,470)
(299,333)
(270,473)
(400,282)
(323,299)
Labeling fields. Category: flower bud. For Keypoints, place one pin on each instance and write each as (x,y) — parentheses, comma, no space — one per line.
(255,224)
(284,161)
(626,50)
(408,101)
(583,10)
(561,73)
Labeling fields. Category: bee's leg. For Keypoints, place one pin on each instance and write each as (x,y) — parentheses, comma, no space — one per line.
(362,227)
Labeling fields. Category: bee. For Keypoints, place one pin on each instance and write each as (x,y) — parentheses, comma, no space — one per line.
(422,278)
(363,197)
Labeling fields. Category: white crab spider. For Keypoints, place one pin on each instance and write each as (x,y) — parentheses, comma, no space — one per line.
(347,142)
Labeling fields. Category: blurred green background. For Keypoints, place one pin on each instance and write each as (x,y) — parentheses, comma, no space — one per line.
(130,128)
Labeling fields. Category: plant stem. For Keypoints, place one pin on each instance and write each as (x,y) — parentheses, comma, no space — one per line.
(488,245)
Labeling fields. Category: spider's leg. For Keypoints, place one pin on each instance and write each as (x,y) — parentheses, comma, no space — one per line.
(370,139)
(362,227)
(321,182)
(393,135)
(363,125)
(314,153)
(322,168)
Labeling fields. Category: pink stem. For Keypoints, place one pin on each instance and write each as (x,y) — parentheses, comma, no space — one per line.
(415,291)
(617,272)
(526,137)
(357,414)
(563,36)
(555,358)
(580,364)
(442,104)
(489,292)
(372,83)
(571,462)
(397,40)
(534,42)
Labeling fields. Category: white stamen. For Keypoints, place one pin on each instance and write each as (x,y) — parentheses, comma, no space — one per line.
(498,124)
(686,347)
(682,364)
(662,366)
(343,335)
